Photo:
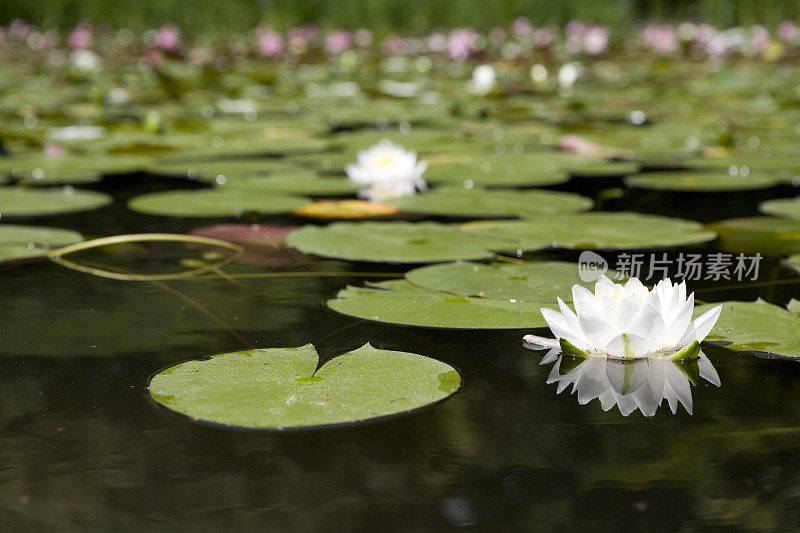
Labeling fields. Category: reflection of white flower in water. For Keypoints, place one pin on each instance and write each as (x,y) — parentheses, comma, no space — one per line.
(483,79)
(628,322)
(387,171)
(640,384)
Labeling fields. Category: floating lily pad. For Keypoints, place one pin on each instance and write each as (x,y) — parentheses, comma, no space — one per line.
(390,242)
(784,207)
(758,326)
(607,170)
(28,242)
(500,171)
(333,209)
(301,183)
(41,169)
(214,203)
(540,282)
(621,231)
(765,235)
(700,182)
(477,203)
(20,201)
(400,302)
(282,388)
(209,170)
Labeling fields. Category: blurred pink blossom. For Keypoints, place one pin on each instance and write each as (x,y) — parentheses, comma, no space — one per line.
(462,43)
(19,29)
(394,44)
(759,40)
(787,31)
(704,34)
(521,26)
(270,42)
(660,38)
(338,41)
(595,40)
(53,150)
(168,38)
(81,36)
(543,37)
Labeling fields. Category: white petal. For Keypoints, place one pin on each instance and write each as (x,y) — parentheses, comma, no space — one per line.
(707,371)
(595,330)
(704,323)
(627,346)
(649,325)
(537,342)
(558,325)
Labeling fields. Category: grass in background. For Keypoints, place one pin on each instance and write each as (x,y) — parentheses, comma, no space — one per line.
(383,16)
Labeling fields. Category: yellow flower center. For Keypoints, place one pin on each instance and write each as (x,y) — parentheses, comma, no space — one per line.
(385,161)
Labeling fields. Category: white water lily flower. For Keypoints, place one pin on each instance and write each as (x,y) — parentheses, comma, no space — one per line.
(641,384)
(628,322)
(387,171)
(483,79)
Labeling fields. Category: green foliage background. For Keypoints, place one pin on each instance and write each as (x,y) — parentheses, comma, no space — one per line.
(388,15)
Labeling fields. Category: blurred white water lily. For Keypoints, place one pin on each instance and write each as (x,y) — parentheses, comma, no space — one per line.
(641,384)
(387,171)
(483,80)
(628,322)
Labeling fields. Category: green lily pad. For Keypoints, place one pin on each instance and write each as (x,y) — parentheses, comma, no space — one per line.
(607,170)
(28,242)
(476,203)
(306,183)
(539,282)
(41,169)
(783,207)
(757,327)
(208,170)
(700,182)
(215,203)
(620,231)
(772,236)
(390,242)
(282,388)
(493,170)
(400,302)
(19,201)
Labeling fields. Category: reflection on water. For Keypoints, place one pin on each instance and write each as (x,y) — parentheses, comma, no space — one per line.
(641,384)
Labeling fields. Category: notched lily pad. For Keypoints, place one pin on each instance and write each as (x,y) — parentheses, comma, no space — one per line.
(477,203)
(215,203)
(282,388)
(620,231)
(20,201)
(400,302)
(29,242)
(783,207)
(464,295)
(390,242)
(759,327)
(700,181)
(772,236)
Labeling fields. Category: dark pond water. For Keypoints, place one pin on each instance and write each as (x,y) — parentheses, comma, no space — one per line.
(83,446)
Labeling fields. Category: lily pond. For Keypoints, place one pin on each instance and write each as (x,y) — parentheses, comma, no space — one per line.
(369,366)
